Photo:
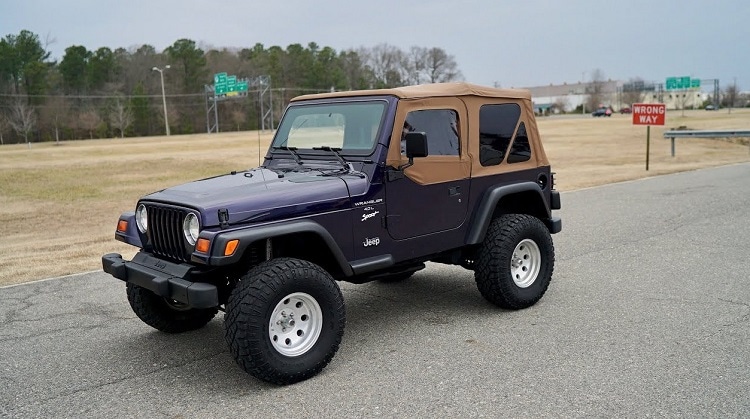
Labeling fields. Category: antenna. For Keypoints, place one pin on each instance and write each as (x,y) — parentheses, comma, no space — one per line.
(258,148)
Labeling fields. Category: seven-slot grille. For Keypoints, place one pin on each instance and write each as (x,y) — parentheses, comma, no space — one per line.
(165,232)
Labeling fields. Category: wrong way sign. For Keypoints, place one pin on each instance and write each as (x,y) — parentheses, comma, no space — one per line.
(649,113)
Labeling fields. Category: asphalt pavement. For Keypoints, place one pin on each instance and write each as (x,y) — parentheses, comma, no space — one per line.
(648,314)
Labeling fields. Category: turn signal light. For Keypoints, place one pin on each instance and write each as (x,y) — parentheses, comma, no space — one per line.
(202,245)
(231,247)
(122,226)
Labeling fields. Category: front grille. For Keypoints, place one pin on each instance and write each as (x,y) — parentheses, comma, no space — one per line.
(165,232)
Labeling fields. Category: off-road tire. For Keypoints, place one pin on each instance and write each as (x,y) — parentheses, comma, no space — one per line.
(508,281)
(265,300)
(167,316)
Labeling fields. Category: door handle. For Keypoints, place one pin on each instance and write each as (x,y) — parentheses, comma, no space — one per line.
(454,190)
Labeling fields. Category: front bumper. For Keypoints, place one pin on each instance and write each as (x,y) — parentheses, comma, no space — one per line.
(166,279)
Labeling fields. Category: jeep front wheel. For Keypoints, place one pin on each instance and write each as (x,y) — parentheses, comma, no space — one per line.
(164,314)
(515,263)
(284,320)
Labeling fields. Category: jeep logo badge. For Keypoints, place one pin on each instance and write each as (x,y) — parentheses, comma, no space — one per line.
(371,242)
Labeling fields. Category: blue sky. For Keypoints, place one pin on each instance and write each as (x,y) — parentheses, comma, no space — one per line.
(508,43)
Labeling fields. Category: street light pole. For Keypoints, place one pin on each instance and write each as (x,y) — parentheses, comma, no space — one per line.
(163,95)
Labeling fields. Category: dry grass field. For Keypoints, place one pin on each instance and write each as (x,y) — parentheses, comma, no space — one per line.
(59,203)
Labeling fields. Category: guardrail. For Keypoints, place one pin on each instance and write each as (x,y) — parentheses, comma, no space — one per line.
(731,133)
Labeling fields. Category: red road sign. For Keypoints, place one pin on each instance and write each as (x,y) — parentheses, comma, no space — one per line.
(649,113)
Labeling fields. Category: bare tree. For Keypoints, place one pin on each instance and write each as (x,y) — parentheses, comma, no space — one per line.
(416,64)
(439,67)
(429,65)
(121,117)
(55,113)
(386,62)
(239,117)
(731,93)
(561,104)
(89,121)
(595,89)
(22,118)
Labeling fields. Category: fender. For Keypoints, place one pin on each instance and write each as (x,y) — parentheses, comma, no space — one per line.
(251,234)
(130,235)
(483,214)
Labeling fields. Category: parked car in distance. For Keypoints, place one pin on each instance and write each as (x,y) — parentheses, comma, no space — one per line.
(626,110)
(602,112)
(712,108)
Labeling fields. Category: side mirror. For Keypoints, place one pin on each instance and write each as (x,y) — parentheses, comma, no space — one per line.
(416,145)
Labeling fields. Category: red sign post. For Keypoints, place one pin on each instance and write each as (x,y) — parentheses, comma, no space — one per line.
(649,114)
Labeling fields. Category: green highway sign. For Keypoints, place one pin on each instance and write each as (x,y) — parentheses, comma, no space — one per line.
(682,83)
(225,85)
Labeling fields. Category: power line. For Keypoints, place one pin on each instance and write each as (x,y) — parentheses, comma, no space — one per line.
(123,96)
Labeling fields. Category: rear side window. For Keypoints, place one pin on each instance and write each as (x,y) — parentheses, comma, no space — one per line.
(496,126)
(441,127)
(520,151)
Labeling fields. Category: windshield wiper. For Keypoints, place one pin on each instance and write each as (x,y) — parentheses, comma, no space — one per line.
(335,152)
(292,151)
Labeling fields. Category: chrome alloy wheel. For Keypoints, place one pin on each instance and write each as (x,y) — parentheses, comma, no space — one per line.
(295,324)
(525,263)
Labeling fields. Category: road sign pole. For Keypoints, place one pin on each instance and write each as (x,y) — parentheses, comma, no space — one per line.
(649,114)
(648,143)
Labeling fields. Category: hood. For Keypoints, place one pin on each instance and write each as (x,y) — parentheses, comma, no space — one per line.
(259,195)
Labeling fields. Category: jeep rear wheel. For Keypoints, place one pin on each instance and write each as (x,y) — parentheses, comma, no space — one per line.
(164,314)
(284,320)
(515,263)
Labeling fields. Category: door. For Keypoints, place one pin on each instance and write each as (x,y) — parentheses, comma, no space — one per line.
(432,195)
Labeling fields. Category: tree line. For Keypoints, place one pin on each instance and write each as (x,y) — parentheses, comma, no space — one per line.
(105,93)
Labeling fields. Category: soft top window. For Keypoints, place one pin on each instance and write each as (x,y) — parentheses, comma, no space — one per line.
(441,127)
(496,126)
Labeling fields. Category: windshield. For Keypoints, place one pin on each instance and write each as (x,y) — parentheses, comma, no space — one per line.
(351,126)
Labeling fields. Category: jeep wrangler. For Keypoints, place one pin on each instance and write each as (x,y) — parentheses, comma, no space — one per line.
(356,186)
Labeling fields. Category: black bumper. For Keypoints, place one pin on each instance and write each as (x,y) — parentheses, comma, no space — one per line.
(163,278)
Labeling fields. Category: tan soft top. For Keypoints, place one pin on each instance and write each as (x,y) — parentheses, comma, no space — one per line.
(428,90)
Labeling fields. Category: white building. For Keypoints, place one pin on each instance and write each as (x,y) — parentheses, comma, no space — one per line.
(614,94)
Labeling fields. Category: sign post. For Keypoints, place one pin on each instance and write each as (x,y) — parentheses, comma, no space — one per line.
(224,87)
(649,114)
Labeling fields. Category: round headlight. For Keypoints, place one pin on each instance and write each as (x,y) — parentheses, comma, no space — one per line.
(141,218)
(191,228)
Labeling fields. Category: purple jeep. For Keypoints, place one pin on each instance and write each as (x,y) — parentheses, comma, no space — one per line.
(357,186)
